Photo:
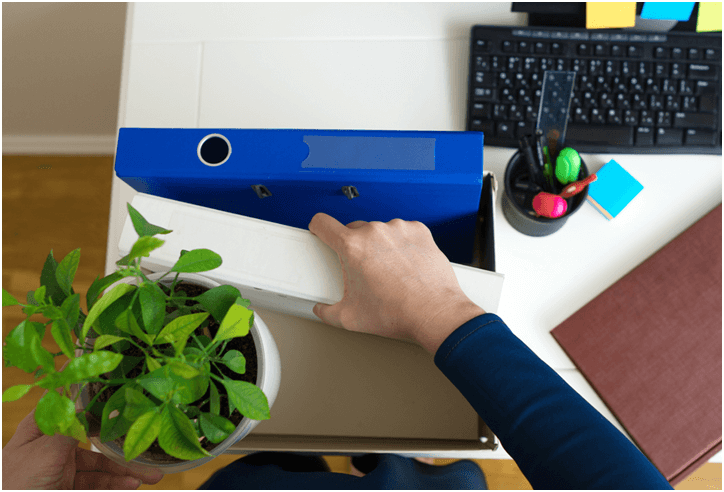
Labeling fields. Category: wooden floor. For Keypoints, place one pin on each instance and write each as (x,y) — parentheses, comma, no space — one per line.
(62,203)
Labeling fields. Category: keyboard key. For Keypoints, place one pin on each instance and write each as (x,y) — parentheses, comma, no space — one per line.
(481,45)
(699,137)
(693,120)
(634,51)
(523,128)
(616,50)
(482,63)
(694,54)
(689,103)
(525,47)
(485,126)
(661,52)
(484,94)
(677,70)
(482,110)
(600,135)
(583,49)
(541,48)
(712,54)
(505,130)
(644,136)
(557,48)
(631,117)
(646,118)
(677,53)
(599,50)
(707,103)
(702,71)
(669,136)
(484,79)
(706,87)
(673,103)
(663,119)
(508,47)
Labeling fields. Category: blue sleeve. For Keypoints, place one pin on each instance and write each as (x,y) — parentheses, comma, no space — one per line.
(556,437)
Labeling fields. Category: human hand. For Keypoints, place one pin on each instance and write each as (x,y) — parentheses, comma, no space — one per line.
(397,283)
(32,460)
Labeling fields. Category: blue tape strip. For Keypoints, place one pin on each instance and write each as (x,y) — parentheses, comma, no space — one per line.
(392,153)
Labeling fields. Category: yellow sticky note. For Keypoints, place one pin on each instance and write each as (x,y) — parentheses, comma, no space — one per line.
(610,14)
(709,17)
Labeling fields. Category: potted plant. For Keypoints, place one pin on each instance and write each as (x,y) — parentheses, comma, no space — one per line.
(167,369)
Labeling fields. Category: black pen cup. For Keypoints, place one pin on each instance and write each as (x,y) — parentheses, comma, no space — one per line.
(517,206)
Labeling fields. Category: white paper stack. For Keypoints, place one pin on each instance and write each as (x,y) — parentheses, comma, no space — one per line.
(277,267)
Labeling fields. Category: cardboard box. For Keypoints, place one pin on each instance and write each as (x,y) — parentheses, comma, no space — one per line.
(341,392)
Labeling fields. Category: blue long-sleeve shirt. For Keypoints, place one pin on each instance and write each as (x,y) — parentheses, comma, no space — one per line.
(558,440)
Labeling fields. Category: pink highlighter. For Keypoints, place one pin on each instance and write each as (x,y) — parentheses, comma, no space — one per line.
(554,206)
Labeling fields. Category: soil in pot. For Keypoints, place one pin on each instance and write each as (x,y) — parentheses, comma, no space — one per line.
(245,345)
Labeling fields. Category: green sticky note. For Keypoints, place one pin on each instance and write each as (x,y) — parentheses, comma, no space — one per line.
(709,17)
(601,15)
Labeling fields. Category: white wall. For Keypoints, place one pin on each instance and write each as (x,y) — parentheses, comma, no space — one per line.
(61,76)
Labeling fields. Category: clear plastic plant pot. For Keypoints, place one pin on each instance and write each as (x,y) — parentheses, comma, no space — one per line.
(268,380)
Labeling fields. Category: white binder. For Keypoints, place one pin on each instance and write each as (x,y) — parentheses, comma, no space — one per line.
(281,268)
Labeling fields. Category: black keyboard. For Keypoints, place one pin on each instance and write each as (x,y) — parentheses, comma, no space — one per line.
(635,92)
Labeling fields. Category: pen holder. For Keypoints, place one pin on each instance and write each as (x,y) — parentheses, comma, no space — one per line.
(520,214)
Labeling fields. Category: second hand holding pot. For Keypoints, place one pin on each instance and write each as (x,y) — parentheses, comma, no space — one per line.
(554,206)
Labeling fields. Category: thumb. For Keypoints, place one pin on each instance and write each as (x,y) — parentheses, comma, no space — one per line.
(28,431)
(328,314)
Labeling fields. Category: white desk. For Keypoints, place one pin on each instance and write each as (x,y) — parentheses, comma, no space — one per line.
(393,67)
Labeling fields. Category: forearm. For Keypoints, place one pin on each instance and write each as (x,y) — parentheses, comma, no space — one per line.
(557,438)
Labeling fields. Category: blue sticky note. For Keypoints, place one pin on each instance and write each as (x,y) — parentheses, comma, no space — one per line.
(680,11)
(613,189)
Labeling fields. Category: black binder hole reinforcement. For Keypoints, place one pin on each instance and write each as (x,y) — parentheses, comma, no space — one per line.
(214,149)
(350,192)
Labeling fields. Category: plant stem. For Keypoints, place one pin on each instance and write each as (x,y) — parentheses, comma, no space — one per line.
(93,400)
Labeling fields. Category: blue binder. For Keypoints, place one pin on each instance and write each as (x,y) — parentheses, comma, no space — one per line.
(287,176)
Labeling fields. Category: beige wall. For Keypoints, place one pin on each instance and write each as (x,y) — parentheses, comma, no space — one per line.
(61,68)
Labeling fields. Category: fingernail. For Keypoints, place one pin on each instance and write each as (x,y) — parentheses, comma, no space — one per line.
(131,483)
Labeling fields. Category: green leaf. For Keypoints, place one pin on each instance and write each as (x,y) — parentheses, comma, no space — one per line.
(248,399)
(214,400)
(180,329)
(23,349)
(113,428)
(47,278)
(236,323)
(218,300)
(99,285)
(126,322)
(104,341)
(61,334)
(136,403)
(157,383)
(153,306)
(16,392)
(105,301)
(90,365)
(216,427)
(71,310)
(54,413)
(76,430)
(39,295)
(65,273)
(142,434)
(178,437)
(153,364)
(197,260)
(8,299)
(235,361)
(142,247)
(142,226)
(182,369)
(52,312)
(128,363)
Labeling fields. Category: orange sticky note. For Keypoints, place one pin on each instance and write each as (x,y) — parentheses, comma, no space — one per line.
(601,15)
(709,17)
